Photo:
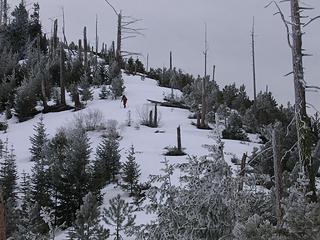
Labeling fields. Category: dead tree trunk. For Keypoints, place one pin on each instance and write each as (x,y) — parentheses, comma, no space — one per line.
(253,63)
(203,123)
(43,79)
(171,76)
(242,170)
(5,13)
(97,43)
(150,119)
(85,48)
(1,11)
(179,139)
(302,121)
(214,73)
(119,39)
(55,36)
(277,165)
(80,51)
(155,120)
(2,218)
(62,85)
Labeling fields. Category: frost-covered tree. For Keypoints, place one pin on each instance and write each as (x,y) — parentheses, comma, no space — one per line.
(114,75)
(105,93)
(87,224)
(130,172)
(119,215)
(38,142)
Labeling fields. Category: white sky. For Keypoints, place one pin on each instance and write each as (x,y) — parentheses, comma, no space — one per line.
(178,25)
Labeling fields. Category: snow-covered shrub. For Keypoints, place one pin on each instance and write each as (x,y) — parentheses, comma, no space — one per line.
(112,129)
(92,120)
(234,129)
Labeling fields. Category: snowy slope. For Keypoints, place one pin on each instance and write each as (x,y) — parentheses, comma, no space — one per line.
(149,145)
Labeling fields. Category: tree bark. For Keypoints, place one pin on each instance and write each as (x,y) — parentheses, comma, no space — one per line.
(277,165)
(5,13)
(62,85)
(155,121)
(253,63)
(302,121)
(242,170)
(179,139)
(1,11)
(203,123)
(119,39)
(43,80)
(85,48)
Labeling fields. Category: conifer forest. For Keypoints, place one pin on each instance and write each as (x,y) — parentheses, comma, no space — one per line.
(159,120)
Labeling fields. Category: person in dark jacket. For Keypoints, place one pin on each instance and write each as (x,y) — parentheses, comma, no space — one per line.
(124,100)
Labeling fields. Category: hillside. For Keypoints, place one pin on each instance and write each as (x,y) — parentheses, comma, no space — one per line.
(148,144)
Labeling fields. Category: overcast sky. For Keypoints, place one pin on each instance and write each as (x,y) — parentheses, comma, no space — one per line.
(178,25)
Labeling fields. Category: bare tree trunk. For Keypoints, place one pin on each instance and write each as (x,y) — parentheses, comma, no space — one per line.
(62,85)
(55,36)
(214,73)
(179,139)
(171,76)
(150,118)
(2,218)
(302,121)
(147,70)
(204,104)
(80,51)
(198,119)
(85,48)
(5,13)
(253,64)
(97,43)
(155,120)
(1,11)
(43,80)
(242,170)
(119,39)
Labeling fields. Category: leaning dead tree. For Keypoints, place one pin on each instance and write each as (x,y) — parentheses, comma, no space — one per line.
(125,29)
(294,38)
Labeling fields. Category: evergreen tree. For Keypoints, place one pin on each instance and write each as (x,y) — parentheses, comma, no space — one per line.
(69,173)
(130,65)
(25,101)
(8,183)
(139,66)
(104,93)
(38,142)
(131,172)
(107,163)
(117,86)
(87,224)
(85,92)
(119,215)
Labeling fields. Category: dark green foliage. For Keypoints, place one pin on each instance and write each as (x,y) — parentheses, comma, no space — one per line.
(174,151)
(25,101)
(8,183)
(164,76)
(107,163)
(115,77)
(38,142)
(87,224)
(234,129)
(131,172)
(119,215)
(85,92)
(69,172)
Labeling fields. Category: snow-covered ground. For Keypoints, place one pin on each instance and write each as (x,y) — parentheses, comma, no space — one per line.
(149,145)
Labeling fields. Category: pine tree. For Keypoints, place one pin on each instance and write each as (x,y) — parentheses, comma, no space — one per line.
(38,142)
(85,92)
(119,215)
(117,86)
(87,224)
(69,173)
(107,163)
(25,101)
(131,171)
(104,93)
(8,182)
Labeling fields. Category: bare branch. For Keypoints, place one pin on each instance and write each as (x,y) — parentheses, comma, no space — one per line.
(112,7)
(310,21)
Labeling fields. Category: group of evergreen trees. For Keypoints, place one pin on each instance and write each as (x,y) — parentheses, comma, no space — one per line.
(64,186)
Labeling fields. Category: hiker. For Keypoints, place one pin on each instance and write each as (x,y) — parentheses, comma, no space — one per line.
(124,100)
